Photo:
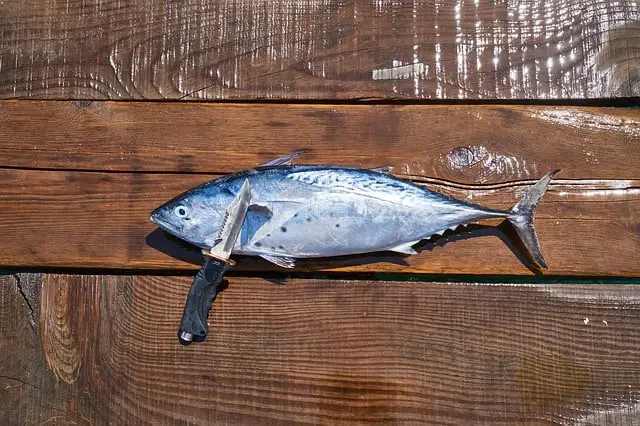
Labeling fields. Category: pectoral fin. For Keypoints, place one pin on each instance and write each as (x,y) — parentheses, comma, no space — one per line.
(406,248)
(287,160)
(282,261)
(280,213)
(257,216)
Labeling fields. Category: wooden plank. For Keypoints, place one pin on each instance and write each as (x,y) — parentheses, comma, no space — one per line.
(100,220)
(335,352)
(29,391)
(464,144)
(324,50)
(588,223)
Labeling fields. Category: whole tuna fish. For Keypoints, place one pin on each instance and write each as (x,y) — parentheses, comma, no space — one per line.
(321,211)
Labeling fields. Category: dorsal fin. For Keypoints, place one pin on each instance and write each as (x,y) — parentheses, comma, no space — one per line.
(383,169)
(287,160)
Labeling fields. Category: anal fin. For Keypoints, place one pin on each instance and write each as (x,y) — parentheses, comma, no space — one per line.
(406,248)
(282,261)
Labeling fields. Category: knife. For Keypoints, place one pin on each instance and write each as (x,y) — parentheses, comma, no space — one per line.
(209,279)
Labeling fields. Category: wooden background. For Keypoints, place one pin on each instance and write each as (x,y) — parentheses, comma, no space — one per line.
(466,332)
(319,49)
(320,351)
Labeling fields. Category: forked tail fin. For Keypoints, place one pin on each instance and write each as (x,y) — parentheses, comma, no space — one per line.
(521,217)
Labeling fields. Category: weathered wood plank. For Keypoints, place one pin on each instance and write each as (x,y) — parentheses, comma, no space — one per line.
(90,219)
(62,217)
(325,351)
(150,49)
(29,392)
(465,144)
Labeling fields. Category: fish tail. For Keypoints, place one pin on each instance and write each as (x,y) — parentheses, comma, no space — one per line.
(521,217)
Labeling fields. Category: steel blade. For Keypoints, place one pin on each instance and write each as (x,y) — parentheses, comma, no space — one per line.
(232,224)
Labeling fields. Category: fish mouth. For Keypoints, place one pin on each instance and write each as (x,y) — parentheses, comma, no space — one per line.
(175,232)
(156,219)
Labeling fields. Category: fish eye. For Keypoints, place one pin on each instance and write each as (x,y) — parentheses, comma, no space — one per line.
(181,211)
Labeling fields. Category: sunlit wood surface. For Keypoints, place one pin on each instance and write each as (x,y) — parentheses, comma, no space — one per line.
(319,49)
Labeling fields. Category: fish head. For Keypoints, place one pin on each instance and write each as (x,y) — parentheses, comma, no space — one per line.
(195,216)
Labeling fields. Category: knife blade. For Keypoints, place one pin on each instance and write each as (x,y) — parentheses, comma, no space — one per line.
(232,224)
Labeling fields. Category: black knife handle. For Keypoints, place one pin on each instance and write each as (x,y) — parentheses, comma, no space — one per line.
(201,295)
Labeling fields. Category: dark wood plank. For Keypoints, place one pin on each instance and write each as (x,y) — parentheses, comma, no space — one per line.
(333,352)
(350,49)
(464,144)
(29,392)
(100,220)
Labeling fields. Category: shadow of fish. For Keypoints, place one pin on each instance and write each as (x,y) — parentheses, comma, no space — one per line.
(324,211)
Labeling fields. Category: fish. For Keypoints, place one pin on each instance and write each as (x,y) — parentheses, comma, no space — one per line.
(315,211)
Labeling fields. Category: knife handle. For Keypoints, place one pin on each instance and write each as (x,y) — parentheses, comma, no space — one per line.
(201,295)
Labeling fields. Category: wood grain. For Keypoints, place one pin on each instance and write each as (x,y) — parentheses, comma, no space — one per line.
(29,391)
(100,220)
(149,49)
(464,144)
(336,352)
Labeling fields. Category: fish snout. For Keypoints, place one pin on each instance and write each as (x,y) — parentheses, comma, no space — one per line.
(154,216)
(160,219)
